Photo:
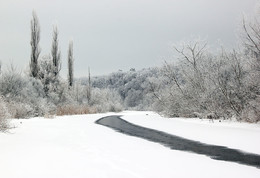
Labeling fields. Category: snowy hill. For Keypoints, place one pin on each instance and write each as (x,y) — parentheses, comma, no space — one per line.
(74,146)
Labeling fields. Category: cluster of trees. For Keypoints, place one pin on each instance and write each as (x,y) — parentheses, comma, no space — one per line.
(47,68)
(42,92)
(210,85)
(133,87)
(222,85)
(198,84)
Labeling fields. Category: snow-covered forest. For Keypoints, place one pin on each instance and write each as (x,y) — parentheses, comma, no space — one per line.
(196,83)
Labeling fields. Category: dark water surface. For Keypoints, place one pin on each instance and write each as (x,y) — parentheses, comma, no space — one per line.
(179,143)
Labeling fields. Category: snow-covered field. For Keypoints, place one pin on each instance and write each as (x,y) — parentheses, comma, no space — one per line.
(75,147)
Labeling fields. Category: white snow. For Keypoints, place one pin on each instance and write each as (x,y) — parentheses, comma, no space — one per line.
(74,146)
(243,136)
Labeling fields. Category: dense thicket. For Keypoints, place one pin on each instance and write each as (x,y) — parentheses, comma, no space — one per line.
(133,87)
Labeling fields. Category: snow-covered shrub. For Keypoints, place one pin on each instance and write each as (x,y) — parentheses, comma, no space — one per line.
(61,95)
(25,95)
(20,110)
(105,100)
(78,93)
(252,112)
(11,84)
(133,98)
(4,115)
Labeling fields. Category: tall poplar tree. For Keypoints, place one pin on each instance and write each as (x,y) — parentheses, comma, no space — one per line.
(55,52)
(70,64)
(35,48)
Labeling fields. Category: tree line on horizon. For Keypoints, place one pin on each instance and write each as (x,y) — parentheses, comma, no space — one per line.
(199,83)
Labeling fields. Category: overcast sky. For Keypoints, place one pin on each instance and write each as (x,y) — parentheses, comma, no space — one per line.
(110,35)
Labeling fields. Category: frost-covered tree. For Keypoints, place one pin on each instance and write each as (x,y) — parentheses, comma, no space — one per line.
(70,64)
(55,52)
(251,44)
(251,37)
(35,48)
(89,88)
(46,74)
(77,92)
(11,83)
(186,79)
(24,95)
(210,85)
(4,114)
(105,100)
(132,86)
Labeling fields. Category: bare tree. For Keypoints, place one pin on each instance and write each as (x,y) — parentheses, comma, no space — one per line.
(55,52)
(35,48)
(70,64)
(251,37)
(89,88)
(192,56)
(251,42)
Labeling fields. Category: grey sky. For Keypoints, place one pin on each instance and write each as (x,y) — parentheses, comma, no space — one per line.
(110,35)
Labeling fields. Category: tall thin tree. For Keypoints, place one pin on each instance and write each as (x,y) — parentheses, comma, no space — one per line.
(70,64)
(55,52)
(89,87)
(35,48)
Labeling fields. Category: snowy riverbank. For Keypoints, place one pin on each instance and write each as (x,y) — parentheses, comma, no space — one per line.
(74,146)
